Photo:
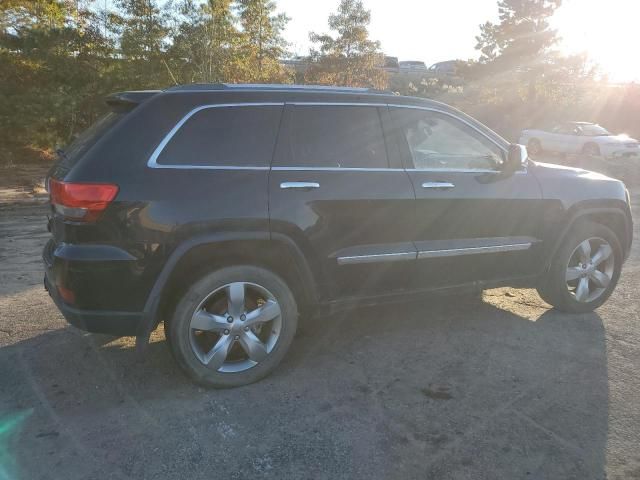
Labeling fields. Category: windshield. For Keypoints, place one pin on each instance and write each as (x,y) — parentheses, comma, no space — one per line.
(593,130)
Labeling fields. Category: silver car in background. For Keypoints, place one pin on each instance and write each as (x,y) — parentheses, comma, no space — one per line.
(579,138)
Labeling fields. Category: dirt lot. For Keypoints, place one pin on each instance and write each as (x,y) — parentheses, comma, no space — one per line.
(499,388)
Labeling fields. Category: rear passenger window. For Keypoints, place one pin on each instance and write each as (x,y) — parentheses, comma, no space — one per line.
(336,136)
(225,136)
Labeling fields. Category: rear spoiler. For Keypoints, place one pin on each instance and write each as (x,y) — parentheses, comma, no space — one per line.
(126,101)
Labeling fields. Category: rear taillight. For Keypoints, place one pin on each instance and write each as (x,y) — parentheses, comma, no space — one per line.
(81,202)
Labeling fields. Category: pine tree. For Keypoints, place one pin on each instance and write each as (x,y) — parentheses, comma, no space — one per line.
(351,58)
(262,43)
(523,34)
(143,29)
(206,43)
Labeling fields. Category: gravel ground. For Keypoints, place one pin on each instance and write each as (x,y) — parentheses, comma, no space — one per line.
(498,388)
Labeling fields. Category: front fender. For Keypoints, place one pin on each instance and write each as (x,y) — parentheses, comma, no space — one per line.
(579,212)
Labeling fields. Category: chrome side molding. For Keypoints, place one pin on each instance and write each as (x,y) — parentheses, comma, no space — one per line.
(378,257)
(299,185)
(438,249)
(438,185)
(453,252)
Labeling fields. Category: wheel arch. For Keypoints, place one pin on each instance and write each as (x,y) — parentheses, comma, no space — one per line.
(612,217)
(197,256)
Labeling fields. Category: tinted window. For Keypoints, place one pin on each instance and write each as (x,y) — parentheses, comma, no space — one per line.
(438,141)
(89,137)
(336,136)
(237,136)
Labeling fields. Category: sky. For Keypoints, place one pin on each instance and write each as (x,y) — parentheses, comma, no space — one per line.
(438,30)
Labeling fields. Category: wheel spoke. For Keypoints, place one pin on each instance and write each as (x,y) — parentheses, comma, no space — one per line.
(601,279)
(602,254)
(582,292)
(235,295)
(573,273)
(585,251)
(256,350)
(206,321)
(264,313)
(218,354)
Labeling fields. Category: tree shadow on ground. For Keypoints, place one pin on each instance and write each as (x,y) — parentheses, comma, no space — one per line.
(438,389)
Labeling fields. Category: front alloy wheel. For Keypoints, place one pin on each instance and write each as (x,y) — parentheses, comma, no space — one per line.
(584,270)
(590,269)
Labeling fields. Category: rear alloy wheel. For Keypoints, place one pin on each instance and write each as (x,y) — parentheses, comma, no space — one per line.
(233,326)
(584,271)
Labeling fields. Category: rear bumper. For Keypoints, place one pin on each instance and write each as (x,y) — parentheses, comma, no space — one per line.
(112,323)
(83,276)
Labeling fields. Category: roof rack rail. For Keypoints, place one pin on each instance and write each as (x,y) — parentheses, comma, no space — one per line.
(272,86)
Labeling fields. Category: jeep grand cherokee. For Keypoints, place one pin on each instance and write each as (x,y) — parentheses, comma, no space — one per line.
(226,210)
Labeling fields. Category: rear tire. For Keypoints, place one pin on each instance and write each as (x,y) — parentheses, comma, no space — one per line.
(584,270)
(233,326)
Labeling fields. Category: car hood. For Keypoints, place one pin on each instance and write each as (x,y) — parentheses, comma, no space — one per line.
(576,184)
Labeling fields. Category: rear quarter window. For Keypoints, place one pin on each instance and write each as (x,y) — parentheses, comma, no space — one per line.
(89,137)
(241,136)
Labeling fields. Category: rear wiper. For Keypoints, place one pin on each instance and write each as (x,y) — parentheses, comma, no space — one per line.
(62,154)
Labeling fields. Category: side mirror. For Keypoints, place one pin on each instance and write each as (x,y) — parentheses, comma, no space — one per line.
(517,158)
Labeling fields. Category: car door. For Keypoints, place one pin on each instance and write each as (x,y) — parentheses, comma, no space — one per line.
(564,138)
(472,221)
(333,190)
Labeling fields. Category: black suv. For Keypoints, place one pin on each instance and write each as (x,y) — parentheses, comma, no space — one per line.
(227,210)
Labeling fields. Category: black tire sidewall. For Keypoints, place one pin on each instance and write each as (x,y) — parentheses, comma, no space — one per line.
(591,149)
(179,330)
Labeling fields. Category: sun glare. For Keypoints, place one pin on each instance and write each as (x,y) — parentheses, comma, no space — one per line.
(605,31)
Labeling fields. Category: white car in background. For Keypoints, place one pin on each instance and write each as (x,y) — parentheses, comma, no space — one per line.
(580,138)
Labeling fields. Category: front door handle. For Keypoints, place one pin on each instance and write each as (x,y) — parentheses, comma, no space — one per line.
(299,185)
(438,185)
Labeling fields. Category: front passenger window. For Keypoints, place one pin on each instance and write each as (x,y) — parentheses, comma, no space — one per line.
(437,141)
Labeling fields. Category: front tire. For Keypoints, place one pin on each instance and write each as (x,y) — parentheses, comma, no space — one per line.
(233,326)
(584,271)
(591,150)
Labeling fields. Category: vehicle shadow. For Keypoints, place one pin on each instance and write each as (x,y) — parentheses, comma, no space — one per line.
(442,388)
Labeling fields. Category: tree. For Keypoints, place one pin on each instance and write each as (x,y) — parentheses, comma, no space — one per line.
(206,43)
(523,34)
(519,47)
(351,58)
(262,43)
(143,29)
(52,63)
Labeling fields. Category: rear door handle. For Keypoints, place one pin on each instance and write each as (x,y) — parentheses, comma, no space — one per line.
(438,185)
(299,185)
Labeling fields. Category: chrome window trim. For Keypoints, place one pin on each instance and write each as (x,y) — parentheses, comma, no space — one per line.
(153,159)
(337,104)
(335,169)
(454,252)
